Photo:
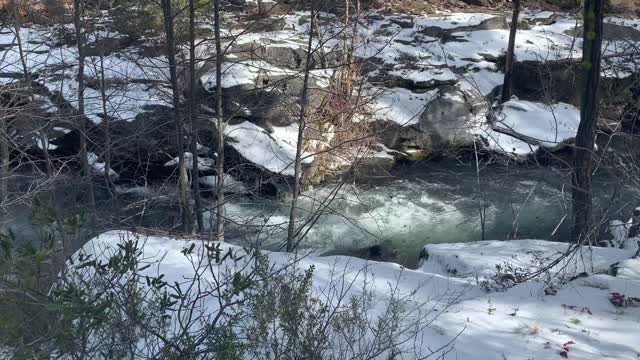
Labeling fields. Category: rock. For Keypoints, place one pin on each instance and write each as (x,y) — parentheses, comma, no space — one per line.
(612,32)
(378,252)
(403,138)
(106,46)
(545,18)
(626,269)
(283,55)
(446,118)
(416,79)
(272,100)
(524,25)
(404,22)
(141,147)
(266,24)
(374,166)
(477,2)
(496,22)
(561,80)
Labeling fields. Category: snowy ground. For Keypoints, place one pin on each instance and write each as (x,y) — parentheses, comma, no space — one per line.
(578,322)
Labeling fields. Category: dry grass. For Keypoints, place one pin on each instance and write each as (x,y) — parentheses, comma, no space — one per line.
(529,329)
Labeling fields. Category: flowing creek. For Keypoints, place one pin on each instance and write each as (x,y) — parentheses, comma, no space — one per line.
(434,203)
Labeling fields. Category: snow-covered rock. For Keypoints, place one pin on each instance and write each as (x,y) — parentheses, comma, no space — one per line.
(476,260)
(275,152)
(203,163)
(231,185)
(538,124)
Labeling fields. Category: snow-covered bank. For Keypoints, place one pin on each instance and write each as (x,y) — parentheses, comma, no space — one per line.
(478,260)
(522,322)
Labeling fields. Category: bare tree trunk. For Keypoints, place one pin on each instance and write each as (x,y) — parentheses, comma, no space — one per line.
(195,176)
(219,198)
(354,45)
(4,117)
(183,186)
(585,138)
(84,161)
(508,69)
(291,243)
(4,156)
(107,130)
(17,26)
(344,71)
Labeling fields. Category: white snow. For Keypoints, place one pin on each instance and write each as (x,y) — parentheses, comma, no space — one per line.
(483,81)
(48,146)
(399,105)
(231,185)
(203,163)
(506,144)
(547,124)
(453,20)
(98,167)
(274,152)
(628,269)
(518,324)
(426,75)
(478,260)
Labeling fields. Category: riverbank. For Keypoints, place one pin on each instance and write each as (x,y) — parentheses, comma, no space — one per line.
(570,311)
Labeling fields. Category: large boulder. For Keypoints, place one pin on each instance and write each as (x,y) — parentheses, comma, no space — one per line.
(493,23)
(561,81)
(287,55)
(611,32)
(446,119)
(403,138)
(271,100)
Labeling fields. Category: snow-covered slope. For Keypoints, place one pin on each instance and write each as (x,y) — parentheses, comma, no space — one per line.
(522,322)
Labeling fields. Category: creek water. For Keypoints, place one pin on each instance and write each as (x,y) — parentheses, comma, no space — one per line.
(433,202)
(417,204)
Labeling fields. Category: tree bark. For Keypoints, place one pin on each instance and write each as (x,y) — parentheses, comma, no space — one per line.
(17,26)
(107,130)
(291,241)
(4,156)
(84,161)
(195,175)
(508,69)
(585,138)
(219,198)
(183,187)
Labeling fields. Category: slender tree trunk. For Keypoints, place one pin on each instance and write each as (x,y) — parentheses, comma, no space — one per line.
(107,130)
(17,26)
(219,198)
(4,116)
(354,45)
(291,241)
(585,138)
(345,68)
(195,175)
(84,161)
(183,186)
(4,156)
(508,69)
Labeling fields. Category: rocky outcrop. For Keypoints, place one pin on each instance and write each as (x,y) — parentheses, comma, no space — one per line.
(562,81)
(446,119)
(493,23)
